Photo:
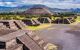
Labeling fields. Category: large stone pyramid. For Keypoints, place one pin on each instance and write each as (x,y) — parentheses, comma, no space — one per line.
(38,10)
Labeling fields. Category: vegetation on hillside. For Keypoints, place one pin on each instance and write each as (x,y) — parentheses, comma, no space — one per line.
(18,16)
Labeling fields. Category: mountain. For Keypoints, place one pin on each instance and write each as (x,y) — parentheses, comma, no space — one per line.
(14,9)
(25,7)
(77,10)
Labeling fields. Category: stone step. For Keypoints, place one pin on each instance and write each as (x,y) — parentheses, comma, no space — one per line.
(29,42)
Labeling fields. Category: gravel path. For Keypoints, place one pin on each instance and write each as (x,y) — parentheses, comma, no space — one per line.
(58,34)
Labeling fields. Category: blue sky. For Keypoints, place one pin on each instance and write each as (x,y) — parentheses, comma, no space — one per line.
(51,3)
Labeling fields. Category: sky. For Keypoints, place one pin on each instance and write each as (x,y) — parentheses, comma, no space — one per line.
(50,3)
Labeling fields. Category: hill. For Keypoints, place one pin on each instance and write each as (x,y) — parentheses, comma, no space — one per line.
(25,7)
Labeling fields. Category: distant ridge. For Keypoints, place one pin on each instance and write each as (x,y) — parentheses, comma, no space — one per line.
(23,8)
(14,9)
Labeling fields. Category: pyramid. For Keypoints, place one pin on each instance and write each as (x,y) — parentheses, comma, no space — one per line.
(38,10)
(12,24)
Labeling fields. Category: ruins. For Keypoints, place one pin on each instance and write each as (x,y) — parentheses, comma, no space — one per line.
(15,37)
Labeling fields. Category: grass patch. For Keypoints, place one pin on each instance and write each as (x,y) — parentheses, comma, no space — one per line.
(78,19)
(42,26)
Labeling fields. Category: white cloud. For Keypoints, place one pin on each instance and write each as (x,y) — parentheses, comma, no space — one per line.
(1,3)
(32,1)
(54,3)
(62,5)
(9,4)
(50,3)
